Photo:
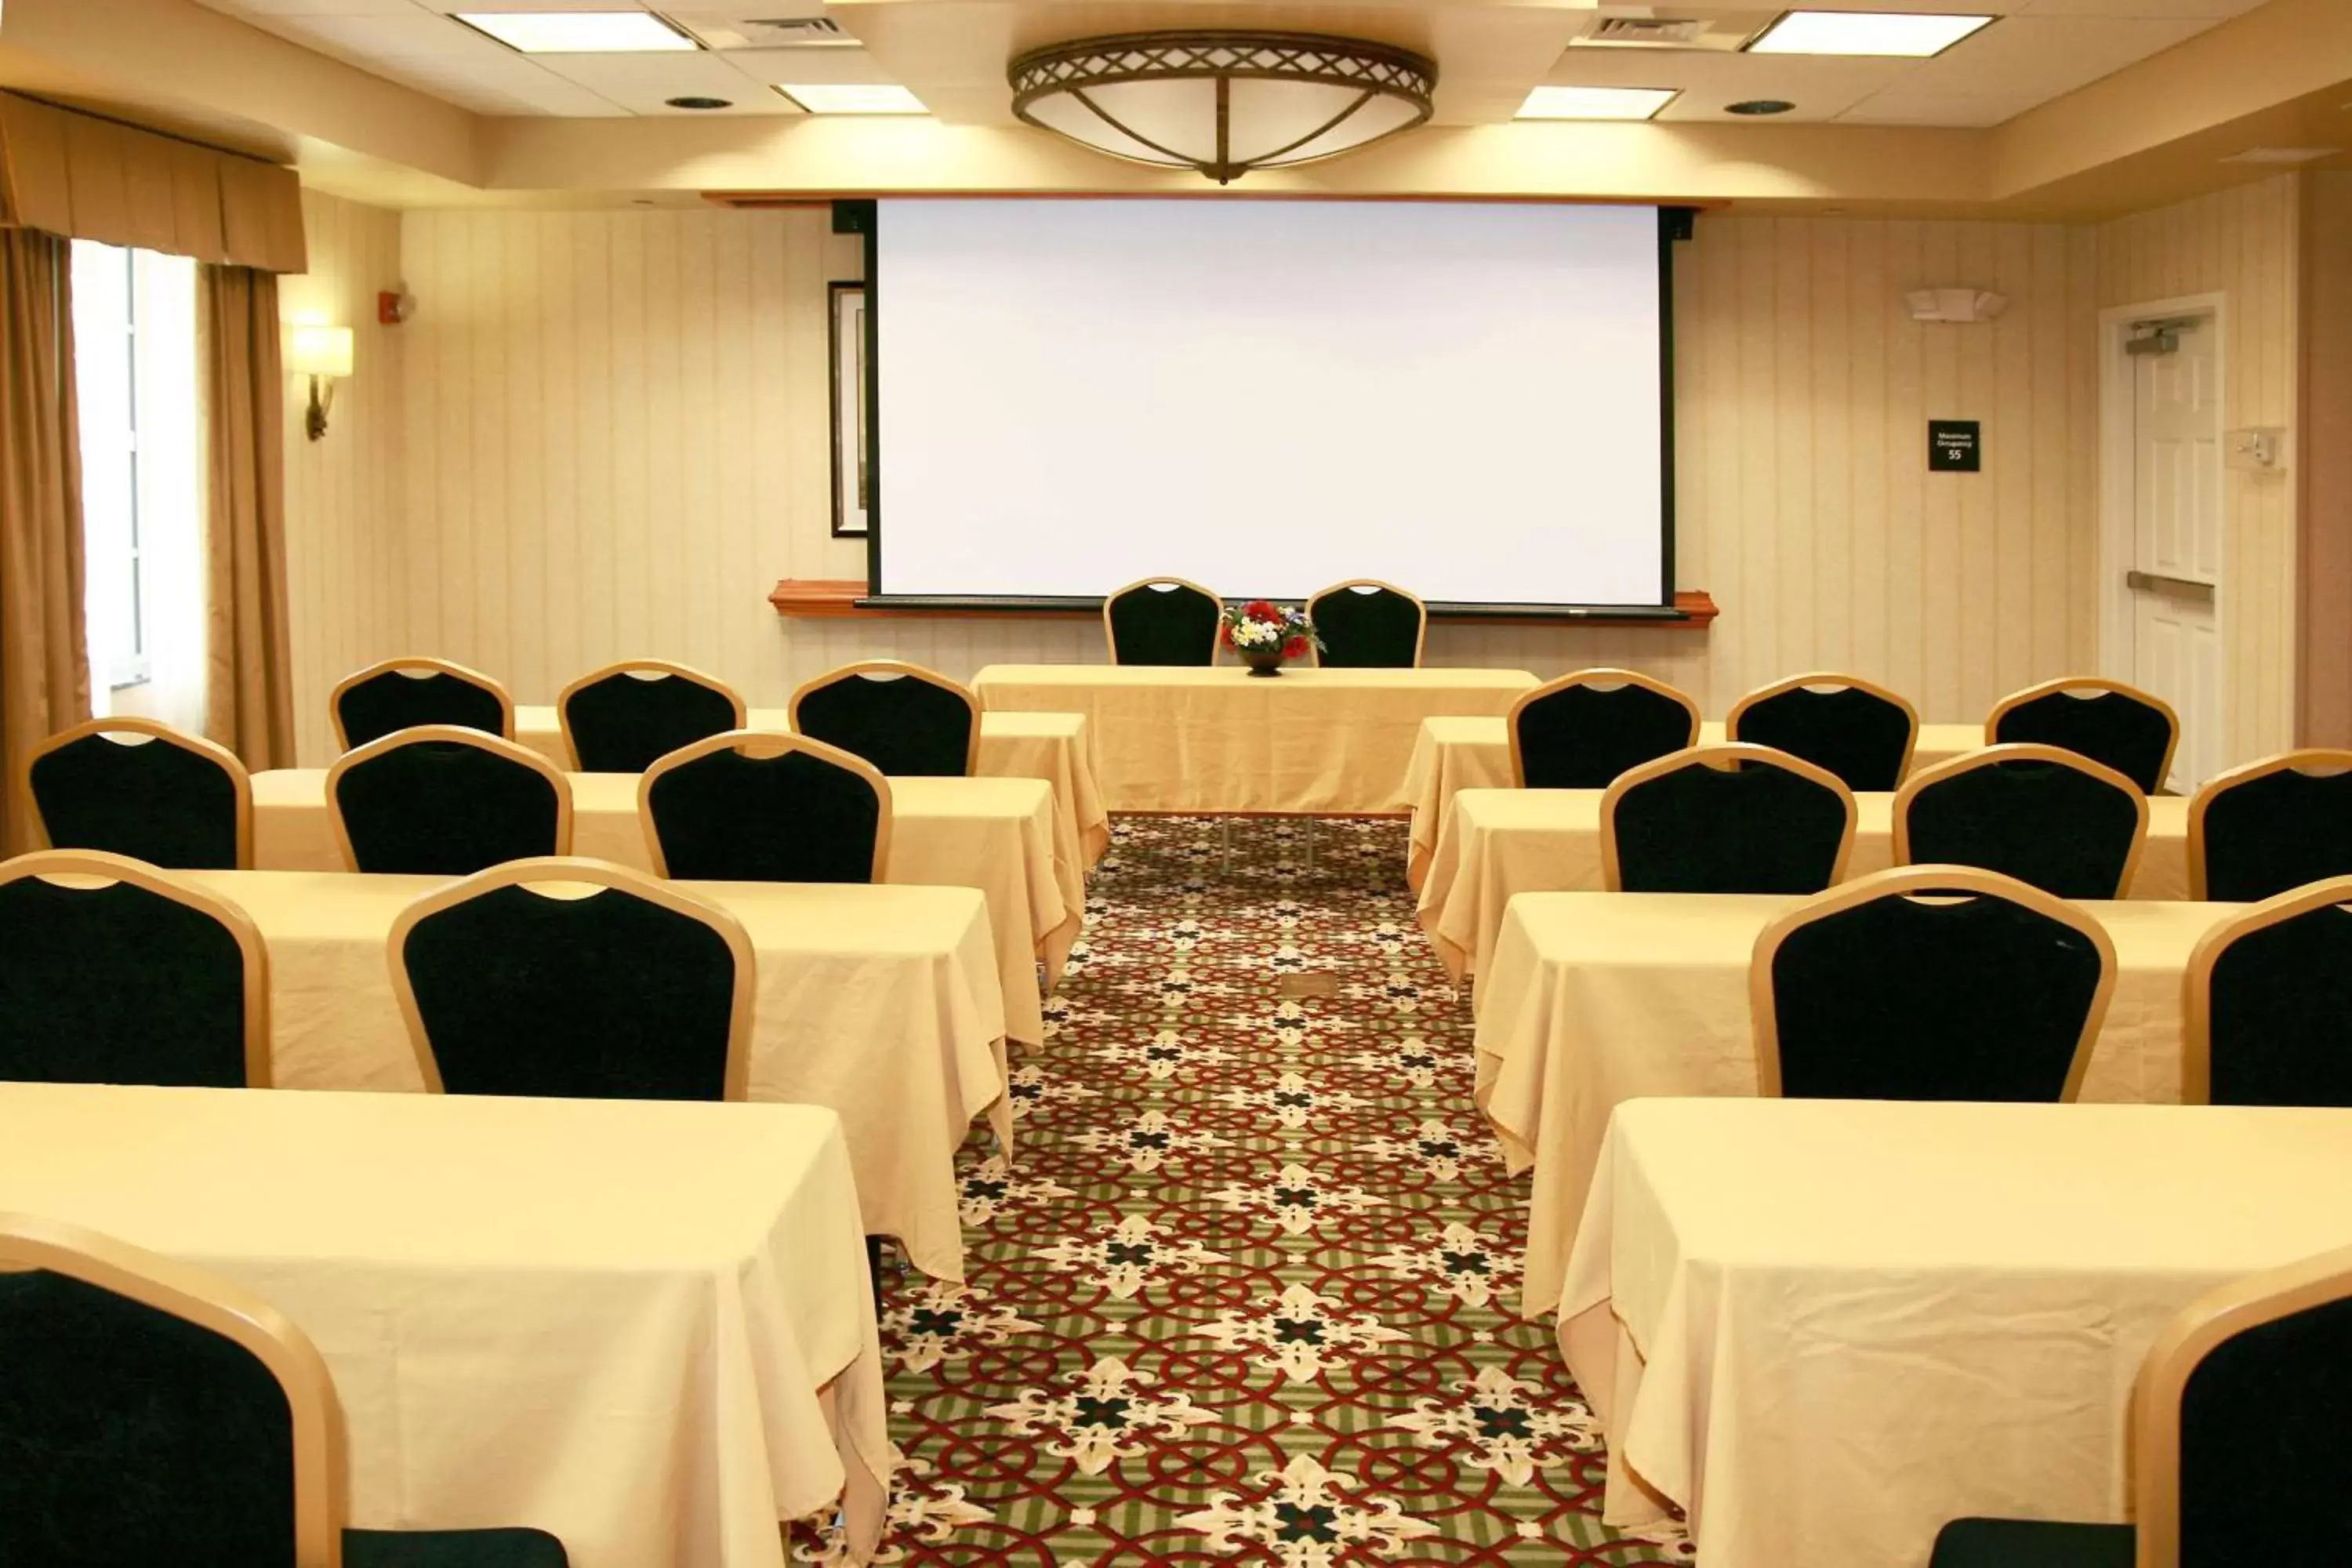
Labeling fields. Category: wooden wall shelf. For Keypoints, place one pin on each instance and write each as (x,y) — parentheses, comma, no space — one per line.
(836,598)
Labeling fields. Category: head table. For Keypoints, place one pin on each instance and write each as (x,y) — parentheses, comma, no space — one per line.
(643,1327)
(1825,1327)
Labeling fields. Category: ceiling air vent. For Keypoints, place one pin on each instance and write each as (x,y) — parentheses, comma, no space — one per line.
(771,33)
(1653,30)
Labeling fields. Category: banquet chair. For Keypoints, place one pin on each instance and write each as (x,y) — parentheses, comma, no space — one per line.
(127,974)
(619,719)
(1366,624)
(2127,728)
(2042,815)
(2238,1447)
(749,806)
(133,786)
(907,720)
(1582,730)
(154,1413)
(443,801)
(2256,831)
(2267,1006)
(1857,728)
(401,693)
(574,979)
(1162,620)
(1929,982)
(1724,819)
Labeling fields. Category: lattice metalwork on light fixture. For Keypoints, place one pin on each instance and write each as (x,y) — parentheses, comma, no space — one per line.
(1223,102)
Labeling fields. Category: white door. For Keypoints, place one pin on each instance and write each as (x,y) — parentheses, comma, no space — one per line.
(2175,569)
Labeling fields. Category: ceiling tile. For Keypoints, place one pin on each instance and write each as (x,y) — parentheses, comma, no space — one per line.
(2042,57)
(2210,10)
(1822,88)
(639,83)
(1903,106)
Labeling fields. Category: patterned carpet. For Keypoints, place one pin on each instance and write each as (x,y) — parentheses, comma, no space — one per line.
(1245,1293)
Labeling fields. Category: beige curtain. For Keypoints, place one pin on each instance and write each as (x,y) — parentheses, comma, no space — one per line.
(249,680)
(43,651)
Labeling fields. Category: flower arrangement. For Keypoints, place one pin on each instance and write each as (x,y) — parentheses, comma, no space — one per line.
(1266,634)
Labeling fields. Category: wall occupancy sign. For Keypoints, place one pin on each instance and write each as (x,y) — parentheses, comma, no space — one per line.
(1955,447)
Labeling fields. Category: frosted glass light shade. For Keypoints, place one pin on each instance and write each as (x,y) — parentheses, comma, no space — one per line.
(1223,102)
(321,351)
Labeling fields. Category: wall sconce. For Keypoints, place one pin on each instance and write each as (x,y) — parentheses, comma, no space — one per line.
(322,353)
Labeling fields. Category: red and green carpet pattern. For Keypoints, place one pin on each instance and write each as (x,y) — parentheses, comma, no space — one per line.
(1245,1294)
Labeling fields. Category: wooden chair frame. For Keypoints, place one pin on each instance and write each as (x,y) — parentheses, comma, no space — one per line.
(98,865)
(28,1242)
(1844,682)
(2091,683)
(895,667)
(1599,675)
(158,732)
(1920,881)
(1420,638)
(2020,752)
(1110,638)
(764,743)
(1723,757)
(425,665)
(573,869)
(655,666)
(2197,984)
(461,735)
(2201,1327)
(2304,759)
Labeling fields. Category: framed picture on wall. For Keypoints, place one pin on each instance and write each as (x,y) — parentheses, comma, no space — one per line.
(845,332)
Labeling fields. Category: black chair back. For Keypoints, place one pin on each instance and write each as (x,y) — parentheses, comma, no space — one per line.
(444,801)
(906,722)
(1876,993)
(135,980)
(2270,1004)
(621,719)
(131,786)
(2047,817)
(1856,731)
(2112,724)
(1724,819)
(621,994)
(404,693)
(1162,620)
(1368,625)
(1583,730)
(809,813)
(2257,831)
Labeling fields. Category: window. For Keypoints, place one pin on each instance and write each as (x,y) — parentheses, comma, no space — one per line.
(141,485)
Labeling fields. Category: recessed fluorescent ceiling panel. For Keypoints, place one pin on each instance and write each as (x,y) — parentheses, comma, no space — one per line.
(1910,34)
(578,32)
(1595,102)
(832,99)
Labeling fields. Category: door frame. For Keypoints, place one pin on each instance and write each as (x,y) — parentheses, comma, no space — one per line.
(2119,477)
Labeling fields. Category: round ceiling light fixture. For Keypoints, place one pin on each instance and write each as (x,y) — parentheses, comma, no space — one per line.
(1759,106)
(696,102)
(1223,102)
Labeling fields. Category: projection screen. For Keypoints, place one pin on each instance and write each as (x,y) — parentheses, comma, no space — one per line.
(1267,396)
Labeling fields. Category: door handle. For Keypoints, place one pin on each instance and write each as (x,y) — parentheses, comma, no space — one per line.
(2157,583)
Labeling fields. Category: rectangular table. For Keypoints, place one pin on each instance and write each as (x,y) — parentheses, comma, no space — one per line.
(1055,747)
(1497,843)
(996,834)
(881,1004)
(1450,756)
(1598,998)
(1221,739)
(643,1327)
(1824,1327)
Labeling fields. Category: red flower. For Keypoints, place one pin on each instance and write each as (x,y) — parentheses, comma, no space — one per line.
(1224,634)
(1295,649)
(1259,610)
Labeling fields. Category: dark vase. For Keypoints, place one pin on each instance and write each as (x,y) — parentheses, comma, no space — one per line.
(1263,660)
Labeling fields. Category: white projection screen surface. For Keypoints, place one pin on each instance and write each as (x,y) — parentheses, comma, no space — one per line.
(1268,396)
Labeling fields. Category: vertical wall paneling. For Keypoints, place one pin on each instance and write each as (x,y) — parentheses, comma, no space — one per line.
(2323,459)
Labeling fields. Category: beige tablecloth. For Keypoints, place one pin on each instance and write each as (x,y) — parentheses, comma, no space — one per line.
(1598,998)
(1497,843)
(1331,741)
(1055,747)
(1826,1327)
(881,1004)
(996,834)
(611,1321)
(1454,755)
